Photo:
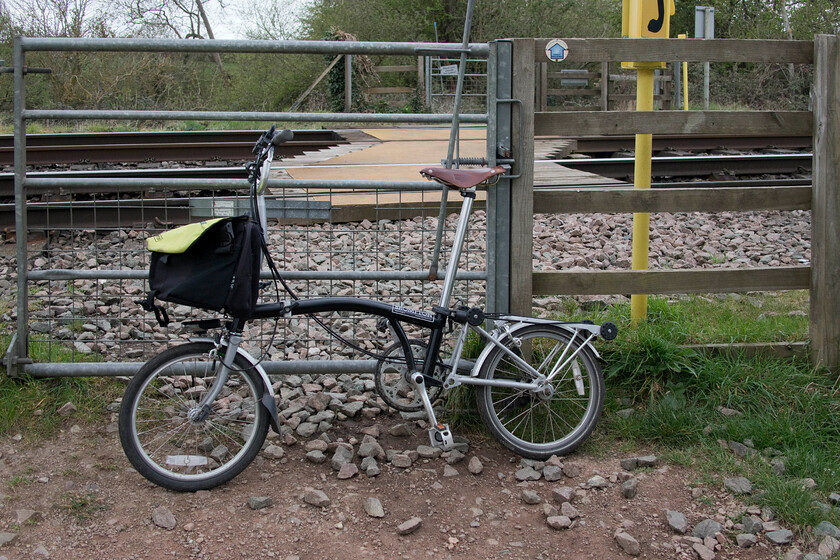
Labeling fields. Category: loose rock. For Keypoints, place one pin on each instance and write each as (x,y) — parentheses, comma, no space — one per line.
(563,494)
(552,473)
(752,524)
(782,536)
(530,497)
(400,430)
(274,452)
(408,527)
(316,498)
(66,409)
(597,481)
(347,470)
(704,552)
(677,521)
(527,473)
(558,522)
(628,544)
(373,507)
(746,540)
(569,510)
(163,518)
(827,528)
(706,528)
(629,488)
(7,538)
(259,502)
(829,546)
(738,485)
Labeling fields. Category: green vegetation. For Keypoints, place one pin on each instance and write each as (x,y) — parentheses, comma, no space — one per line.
(786,411)
(29,406)
(82,506)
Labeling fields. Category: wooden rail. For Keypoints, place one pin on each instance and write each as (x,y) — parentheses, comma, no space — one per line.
(600,89)
(823,198)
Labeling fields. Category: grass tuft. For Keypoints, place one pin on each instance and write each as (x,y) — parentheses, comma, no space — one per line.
(788,411)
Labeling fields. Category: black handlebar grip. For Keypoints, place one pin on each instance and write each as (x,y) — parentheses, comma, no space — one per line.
(282,136)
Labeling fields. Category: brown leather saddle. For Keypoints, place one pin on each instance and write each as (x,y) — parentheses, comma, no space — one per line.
(462,178)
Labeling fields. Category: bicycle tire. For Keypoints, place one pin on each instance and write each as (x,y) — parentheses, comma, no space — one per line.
(554,423)
(390,382)
(183,455)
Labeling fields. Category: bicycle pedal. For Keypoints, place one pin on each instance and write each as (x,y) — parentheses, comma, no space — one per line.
(441,436)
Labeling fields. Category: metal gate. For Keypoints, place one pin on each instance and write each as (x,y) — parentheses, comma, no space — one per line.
(76,285)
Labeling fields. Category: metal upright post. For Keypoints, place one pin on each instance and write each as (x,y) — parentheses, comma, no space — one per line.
(348,82)
(499,80)
(21,345)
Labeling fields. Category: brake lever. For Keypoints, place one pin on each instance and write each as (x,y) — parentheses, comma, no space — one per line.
(264,140)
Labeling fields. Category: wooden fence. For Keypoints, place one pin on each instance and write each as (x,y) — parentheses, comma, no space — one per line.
(822,277)
(597,90)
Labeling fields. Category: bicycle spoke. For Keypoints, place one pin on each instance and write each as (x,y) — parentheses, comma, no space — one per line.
(219,430)
(185,427)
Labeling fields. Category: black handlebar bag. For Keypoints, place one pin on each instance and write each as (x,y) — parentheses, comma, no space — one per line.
(214,265)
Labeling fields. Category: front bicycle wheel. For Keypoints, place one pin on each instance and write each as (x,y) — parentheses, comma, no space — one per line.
(555,420)
(165,436)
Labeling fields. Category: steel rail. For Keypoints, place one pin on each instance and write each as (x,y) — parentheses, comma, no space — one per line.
(122,147)
(693,166)
(695,142)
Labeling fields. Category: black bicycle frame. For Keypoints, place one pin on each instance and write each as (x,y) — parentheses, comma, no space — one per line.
(394,314)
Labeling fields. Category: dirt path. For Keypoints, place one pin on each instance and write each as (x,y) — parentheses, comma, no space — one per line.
(90,504)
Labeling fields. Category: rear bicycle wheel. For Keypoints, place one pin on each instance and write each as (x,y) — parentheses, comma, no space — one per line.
(167,442)
(559,418)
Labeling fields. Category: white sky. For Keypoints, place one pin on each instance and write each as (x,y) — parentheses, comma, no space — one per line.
(228,22)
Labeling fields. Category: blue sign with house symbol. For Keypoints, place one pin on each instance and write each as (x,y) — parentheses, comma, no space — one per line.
(557,50)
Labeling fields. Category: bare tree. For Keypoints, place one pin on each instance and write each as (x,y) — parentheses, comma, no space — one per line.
(59,18)
(184,19)
(271,20)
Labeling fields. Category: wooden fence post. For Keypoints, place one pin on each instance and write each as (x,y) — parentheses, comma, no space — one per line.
(605,86)
(522,188)
(825,206)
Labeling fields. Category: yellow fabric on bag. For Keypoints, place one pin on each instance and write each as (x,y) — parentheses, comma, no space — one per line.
(179,239)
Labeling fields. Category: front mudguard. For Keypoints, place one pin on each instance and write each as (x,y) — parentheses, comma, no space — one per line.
(267,400)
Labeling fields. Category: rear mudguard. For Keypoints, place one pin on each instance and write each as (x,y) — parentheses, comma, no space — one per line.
(572,329)
(267,400)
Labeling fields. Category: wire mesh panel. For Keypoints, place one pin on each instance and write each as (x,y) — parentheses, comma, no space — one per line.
(380,254)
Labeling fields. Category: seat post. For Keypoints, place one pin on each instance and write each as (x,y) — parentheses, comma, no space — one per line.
(457,246)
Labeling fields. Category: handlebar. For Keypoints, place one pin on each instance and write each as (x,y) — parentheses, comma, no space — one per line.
(282,136)
(264,150)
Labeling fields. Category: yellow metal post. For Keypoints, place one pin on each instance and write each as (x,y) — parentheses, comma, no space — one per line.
(641,180)
(684,78)
(643,19)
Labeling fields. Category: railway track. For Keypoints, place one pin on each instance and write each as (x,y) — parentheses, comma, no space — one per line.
(106,206)
(125,147)
(603,145)
(698,166)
